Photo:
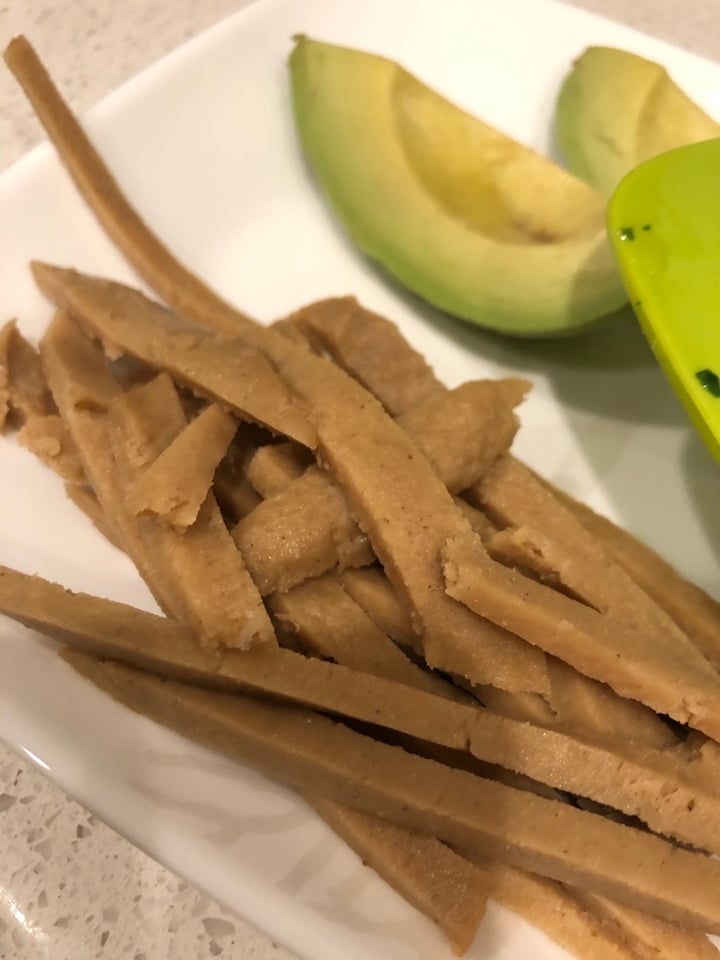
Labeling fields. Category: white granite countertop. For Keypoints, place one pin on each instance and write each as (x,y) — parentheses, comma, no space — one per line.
(70,888)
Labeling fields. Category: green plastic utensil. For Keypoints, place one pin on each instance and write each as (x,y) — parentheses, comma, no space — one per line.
(664,227)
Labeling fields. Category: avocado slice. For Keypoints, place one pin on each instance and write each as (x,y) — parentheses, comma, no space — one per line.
(477,224)
(616,110)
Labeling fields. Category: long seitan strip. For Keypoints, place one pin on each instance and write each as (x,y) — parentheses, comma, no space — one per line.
(674,680)
(652,937)
(310,751)
(234,373)
(215,591)
(400,501)
(148,255)
(657,787)
(372,591)
(175,485)
(694,610)
(371,348)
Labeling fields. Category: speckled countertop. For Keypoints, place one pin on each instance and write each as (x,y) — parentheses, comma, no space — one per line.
(70,888)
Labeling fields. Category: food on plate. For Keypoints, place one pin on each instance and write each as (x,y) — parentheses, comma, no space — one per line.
(616,109)
(481,226)
(411,765)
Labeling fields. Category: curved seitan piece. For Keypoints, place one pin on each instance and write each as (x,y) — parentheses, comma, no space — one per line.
(151,258)
(312,752)
(234,373)
(672,679)
(657,787)
(175,485)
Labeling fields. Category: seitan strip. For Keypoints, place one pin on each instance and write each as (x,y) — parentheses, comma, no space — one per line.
(371,590)
(301,532)
(310,751)
(444,886)
(657,787)
(50,440)
(692,609)
(479,416)
(214,590)
(370,348)
(668,678)
(332,626)
(27,389)
(84,498)
(561,548)
(234,492)
(151,258)
(176,484)
(84,390)
(651,937)
(273,467)
(232,372)
(553,908)
(575,703)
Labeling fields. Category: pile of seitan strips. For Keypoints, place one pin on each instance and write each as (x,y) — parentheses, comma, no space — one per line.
(468,674)
(321,521)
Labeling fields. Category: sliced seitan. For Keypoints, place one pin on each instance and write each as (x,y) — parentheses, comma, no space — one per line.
(233,490)
(84,390)
(657,787)
(301,532)
(232,372)
(28,394)
(50,440)
(669,678)
(692,609)
(371,590)
(274,466)
(215,592)
(312,752)
(553,908)
(370,348)
(175,485)
(558,544)
(480,417)
(444,886)
(651,937)
(331,625)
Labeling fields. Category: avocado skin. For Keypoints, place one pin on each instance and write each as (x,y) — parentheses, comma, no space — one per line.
(343,106)
(616,109)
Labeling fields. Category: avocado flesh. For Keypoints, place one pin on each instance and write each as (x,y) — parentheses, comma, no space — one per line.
(472,221)
(615,110)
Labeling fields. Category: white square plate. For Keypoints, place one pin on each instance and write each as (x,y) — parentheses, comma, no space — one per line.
(204,145)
